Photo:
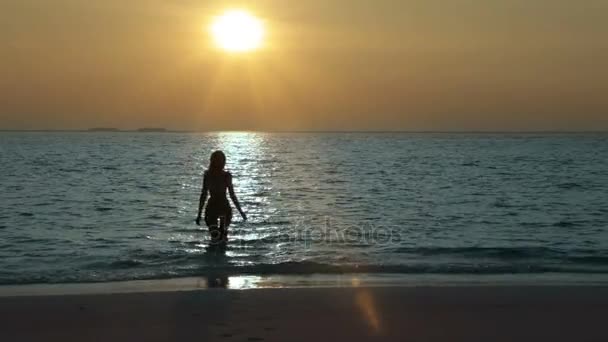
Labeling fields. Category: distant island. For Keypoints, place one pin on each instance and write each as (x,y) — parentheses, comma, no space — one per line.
(103,129)
(152,129)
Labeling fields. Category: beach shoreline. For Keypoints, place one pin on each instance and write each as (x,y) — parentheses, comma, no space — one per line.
(249,282)
(356,313)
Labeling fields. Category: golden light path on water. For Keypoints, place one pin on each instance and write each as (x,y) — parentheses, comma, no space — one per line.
(246,160)
(275,233)
(252,178)
(247,156)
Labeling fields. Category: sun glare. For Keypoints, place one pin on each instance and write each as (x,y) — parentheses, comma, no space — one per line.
(237,31)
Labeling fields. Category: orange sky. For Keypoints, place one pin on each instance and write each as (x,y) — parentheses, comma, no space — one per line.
(326,65)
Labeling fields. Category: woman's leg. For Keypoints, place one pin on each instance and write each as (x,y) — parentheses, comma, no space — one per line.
(224,223)
(215,230)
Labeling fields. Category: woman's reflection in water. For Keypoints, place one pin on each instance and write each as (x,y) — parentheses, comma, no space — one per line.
(216,255)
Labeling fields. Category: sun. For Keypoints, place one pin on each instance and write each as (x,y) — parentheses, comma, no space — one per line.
(237,31)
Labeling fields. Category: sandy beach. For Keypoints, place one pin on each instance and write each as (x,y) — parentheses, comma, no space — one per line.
(446,313)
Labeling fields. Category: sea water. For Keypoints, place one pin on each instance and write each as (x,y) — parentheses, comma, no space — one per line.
(83,207)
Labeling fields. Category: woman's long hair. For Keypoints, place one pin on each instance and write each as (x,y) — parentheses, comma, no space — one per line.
(217,162)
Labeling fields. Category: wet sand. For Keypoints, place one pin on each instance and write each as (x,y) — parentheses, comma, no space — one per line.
(448,313)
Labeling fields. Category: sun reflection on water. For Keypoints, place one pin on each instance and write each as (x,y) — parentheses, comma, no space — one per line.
(240,145)
(243,282)
(245,153)
(252,166)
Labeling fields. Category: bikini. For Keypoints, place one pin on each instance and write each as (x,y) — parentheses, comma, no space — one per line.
(218,206)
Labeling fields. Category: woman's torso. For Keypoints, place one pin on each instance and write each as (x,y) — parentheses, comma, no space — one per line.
(217,183)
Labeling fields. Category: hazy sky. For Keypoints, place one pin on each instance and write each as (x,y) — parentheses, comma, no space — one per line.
(345,65)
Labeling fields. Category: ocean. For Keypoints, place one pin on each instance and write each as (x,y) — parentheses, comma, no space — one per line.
(109,206)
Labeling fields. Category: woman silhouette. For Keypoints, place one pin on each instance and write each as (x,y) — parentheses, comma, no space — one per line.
(218,213)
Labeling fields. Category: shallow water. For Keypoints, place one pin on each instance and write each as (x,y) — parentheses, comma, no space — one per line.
(117,206)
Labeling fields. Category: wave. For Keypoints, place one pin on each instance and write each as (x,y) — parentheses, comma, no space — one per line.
(465,258)
(565,224)
(569,185)
(499,252)
(125,270)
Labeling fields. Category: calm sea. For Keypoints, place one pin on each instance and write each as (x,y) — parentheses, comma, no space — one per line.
(79,207)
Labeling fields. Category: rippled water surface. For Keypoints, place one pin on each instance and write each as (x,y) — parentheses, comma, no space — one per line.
(115,206)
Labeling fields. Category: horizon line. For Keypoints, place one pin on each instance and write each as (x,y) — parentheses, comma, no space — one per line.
(162,130)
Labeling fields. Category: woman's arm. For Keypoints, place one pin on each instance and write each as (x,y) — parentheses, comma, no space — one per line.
(234,199)
(201,202)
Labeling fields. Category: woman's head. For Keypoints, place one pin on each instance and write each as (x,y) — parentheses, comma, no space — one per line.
(217,161)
